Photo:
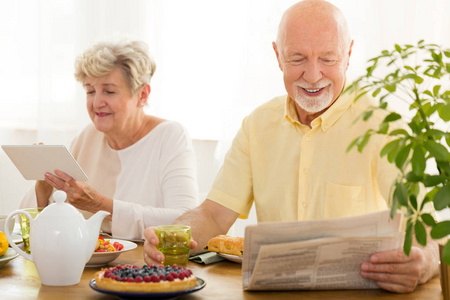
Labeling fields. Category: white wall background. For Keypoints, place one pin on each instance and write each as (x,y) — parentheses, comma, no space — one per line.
(214,63)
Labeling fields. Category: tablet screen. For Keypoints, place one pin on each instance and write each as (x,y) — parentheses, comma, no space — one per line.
(33,161)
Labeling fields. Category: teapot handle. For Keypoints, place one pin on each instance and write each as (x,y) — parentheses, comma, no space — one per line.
(11,243)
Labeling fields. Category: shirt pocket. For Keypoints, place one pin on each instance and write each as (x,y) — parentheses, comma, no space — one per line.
(344,200)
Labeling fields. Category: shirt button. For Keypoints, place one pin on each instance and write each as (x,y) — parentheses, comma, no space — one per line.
(305,171)
(308,139)
(325,127)
(304,204)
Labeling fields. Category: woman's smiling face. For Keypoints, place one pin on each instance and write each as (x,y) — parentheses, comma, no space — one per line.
(110,104)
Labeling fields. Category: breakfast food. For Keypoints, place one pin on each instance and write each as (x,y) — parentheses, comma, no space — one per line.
(3,243)
(226,244)
(105,245)
(148,279)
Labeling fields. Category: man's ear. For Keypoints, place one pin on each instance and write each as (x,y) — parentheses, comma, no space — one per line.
(349,53)
(275,48)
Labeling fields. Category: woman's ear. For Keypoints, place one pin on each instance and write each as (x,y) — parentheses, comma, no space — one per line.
(144,92)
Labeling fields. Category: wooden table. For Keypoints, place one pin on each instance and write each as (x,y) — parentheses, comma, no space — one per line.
(19,280)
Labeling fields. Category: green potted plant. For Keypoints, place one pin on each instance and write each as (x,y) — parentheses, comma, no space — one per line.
(418,76)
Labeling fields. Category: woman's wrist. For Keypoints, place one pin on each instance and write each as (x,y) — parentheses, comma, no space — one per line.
(43,191)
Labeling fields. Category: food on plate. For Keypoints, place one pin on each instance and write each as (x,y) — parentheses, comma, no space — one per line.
(226,244)
(3,243)
(148,279)
(105,245)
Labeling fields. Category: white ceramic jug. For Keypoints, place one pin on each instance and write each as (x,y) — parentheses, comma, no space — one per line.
(61,241)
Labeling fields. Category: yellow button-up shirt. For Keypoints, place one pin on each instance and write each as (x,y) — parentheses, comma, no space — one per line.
(294,172)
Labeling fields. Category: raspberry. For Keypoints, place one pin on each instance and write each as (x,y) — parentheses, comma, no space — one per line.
(174,275)
(147,278)
(154,278)
(138,279)
(181,276)
(130,279)
(169,278)
(162,277)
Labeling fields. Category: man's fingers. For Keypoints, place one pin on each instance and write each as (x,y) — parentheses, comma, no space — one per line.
(396,288)
(149,235)
(392,256)
(194,244)
(151,254)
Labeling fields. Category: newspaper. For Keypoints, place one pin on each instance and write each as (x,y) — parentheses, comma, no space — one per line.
(320,254)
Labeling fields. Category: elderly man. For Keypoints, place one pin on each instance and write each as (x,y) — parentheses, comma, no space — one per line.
(289,156)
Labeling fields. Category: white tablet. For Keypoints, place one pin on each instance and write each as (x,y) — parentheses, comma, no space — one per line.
(33,161)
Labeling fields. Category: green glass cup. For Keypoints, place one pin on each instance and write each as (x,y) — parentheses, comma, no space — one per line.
(25,226)
(174,243)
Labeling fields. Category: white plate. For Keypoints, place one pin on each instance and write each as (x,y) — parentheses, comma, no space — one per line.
(233,258)
(8,256)
(99,259)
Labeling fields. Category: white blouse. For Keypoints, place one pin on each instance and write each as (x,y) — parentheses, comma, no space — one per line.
(152,182)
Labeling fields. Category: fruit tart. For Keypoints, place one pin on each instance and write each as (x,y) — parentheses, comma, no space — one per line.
(148,279)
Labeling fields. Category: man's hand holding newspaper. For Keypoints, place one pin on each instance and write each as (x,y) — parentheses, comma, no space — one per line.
(321,254)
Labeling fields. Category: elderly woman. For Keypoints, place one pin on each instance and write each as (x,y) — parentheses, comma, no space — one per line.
(141,168)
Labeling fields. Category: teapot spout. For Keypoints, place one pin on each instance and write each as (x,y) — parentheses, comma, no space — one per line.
(93,228)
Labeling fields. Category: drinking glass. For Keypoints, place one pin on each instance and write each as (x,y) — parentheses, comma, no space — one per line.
(174,243)
(25,226)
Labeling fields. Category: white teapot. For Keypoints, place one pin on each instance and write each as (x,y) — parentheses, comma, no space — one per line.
(61,241)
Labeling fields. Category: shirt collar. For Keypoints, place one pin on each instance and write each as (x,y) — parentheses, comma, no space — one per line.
(325,120)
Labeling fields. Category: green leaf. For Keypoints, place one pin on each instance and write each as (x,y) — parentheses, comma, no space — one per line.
(401,194)
(411,177)
(414,127)
(417,79)
(408,239)
(436,134)
(364,141)
(438,151)
(446,253)
(444,112)
(399,132)
(428,219)
(442,229)
(433,180)
(442,198)
(447,53)
(367,115)
(421,233)
(394,206)
(418,161)
(389,147)
(390,87)
(398,48)
(352,144)
(392,117)
(436,89)
(427,92)
(376,92)
(384,127)
(402,156)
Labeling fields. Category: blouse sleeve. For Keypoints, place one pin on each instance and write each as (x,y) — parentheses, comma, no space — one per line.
(178,183)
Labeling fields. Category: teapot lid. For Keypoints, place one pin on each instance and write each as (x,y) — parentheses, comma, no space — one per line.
(60,208)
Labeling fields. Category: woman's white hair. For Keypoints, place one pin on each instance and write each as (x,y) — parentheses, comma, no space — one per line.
(131,57)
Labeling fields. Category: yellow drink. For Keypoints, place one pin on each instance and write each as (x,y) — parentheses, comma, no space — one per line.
(174,243)
(25,226)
